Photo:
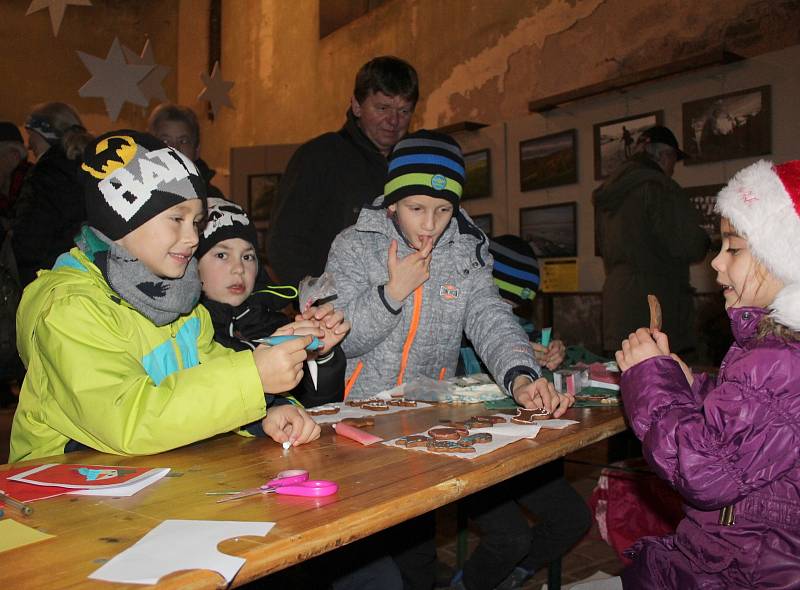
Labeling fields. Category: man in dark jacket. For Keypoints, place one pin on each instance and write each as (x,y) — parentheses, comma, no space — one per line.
(14,165)
(330,178)
(649,234)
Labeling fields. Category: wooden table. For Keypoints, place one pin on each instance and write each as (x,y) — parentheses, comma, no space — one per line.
(380,486)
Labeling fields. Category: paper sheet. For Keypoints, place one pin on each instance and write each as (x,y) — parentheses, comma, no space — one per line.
(127,489)
(14,534)
(346,411)
(502,435)
(180,545)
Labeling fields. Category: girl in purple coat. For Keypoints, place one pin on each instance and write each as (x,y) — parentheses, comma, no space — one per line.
(730,446)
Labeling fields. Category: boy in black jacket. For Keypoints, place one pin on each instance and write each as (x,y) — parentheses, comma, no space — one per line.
(243,309)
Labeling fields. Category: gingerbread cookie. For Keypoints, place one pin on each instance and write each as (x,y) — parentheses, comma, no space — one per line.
(526,416)
(655,312)
(476,439)
(447,433)
(413,440)
(491,420)
(322,411)
(362,422)
(403,402)
(448,446)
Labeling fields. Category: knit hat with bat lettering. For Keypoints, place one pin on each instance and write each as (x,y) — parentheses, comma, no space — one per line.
(130,177)
(225,220)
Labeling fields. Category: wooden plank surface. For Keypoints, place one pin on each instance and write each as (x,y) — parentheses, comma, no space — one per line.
(379,487)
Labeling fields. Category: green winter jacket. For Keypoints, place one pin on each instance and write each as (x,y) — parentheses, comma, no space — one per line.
(103,375)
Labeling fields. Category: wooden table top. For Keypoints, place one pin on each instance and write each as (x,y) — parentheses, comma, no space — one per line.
(379,487)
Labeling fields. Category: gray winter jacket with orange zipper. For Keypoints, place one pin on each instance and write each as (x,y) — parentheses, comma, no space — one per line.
(394,342)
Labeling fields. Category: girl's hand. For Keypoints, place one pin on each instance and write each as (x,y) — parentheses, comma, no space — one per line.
(281,367)
(406,274)
(332,325)
(640,346)
(292,423)
(541,394)
(551,356)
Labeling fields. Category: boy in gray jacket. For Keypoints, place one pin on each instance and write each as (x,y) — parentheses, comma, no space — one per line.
(414,272)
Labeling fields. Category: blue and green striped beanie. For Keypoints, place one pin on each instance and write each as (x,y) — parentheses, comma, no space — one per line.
(515,270)
(425,163)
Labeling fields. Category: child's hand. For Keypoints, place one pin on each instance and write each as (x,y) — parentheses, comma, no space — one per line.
(406,274)
(301,327)
(551,356)
(291,423)
(281,367)
(541,394)
(331,322)
(640,346)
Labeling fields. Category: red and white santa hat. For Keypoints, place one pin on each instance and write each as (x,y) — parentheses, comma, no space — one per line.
(762,202)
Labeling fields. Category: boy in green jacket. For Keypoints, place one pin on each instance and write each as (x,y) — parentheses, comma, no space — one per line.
(120,357)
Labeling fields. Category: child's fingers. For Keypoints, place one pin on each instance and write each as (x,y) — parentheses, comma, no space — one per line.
(343,328)
(286,330)
(623,366)
(662,341)
(392,256)
(333,318)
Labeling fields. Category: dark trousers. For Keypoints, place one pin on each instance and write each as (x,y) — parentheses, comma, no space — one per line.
(506,538)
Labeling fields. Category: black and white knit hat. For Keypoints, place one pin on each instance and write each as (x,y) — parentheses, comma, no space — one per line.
(515,270)
(425,163)
(130,177)
(225,220)
(762,202)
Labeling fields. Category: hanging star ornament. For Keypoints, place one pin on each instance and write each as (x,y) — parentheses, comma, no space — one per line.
(216,90)
(114,80)
(57,8)
(151,84)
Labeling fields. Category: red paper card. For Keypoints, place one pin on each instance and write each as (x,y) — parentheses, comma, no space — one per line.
(83,477)
(25,492)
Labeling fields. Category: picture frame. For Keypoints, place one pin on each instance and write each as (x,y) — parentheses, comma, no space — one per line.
(615,140)
(478,172)
(548,161)
(484,222)
(704,198)
(262,193)
(261,235)
(728,126)
(551,230)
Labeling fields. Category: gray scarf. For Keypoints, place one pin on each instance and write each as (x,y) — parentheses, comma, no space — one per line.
(160,300)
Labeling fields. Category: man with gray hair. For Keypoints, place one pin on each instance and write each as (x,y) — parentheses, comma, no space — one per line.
(14,165)
(648,233)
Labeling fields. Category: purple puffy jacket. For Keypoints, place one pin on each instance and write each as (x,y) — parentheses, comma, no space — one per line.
(733,442)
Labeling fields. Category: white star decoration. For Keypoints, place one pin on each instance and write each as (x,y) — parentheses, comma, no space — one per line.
(114,80)
(57,8)
(151,84)
(216,90)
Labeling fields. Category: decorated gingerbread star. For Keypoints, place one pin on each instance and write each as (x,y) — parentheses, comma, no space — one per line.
(114,80)
(151,84)
(57,8)
(216,90)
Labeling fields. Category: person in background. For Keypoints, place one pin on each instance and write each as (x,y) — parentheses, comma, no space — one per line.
(177,126)
(14,166)
(119,356)
(242,305)
(728,445)
(649,234)
(510,550)
(50,207)
(330,178)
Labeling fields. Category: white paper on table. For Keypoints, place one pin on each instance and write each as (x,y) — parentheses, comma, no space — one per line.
(126,489)
(556,424)
(313,370)
(176,545)
(346,411)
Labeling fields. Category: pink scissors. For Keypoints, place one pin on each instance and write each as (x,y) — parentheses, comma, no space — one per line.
(293,482)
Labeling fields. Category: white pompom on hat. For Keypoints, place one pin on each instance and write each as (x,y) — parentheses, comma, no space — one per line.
(762,202)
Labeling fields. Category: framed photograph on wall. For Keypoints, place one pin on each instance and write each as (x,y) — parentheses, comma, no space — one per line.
(484,222)
(728,126)
(548,161)
(704,198)
(551,230)
(478,168)
(614,141)
(261,234)
(262,191)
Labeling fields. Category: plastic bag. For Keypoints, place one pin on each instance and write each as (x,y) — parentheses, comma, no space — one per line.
(425,389)
(630,503)
(316,289)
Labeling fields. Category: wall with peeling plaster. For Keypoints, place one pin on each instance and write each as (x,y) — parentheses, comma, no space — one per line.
(477,60)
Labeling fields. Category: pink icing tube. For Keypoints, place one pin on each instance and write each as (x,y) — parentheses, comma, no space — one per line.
(356,434)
